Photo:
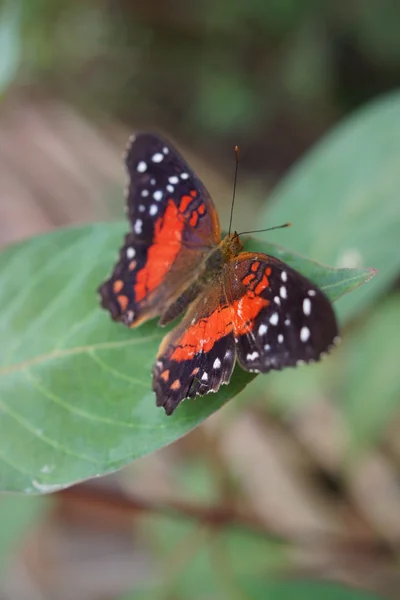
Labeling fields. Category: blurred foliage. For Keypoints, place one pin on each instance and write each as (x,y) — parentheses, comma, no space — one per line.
(17,515)
(271,76)
(10,42)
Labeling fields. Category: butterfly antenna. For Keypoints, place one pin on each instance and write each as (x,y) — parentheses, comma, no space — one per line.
(268,229)
(234,187)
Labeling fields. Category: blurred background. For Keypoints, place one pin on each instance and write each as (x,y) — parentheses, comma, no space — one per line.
(266,486)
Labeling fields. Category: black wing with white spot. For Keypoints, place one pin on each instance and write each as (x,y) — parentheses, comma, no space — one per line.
(281,319)
(198,355)
(173,223)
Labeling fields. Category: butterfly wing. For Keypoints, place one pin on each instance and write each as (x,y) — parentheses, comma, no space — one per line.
(280,318)
(262,312)
(173,223)
(199,354)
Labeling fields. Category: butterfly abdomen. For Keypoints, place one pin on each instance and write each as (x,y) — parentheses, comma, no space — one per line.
(207,274)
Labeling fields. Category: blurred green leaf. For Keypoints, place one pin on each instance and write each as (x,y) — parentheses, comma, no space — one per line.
(184,549)
(377,31)
(369,366)
(301,590)
(343,199)
(248,553)
(17,515)
(10,42)
(75,386)
(224,102)
(201,562)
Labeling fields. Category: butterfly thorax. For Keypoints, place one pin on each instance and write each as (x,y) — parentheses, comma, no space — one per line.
(208,274)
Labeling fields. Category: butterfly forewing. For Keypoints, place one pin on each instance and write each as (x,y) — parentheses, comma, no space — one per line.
(173,224)
(280,318)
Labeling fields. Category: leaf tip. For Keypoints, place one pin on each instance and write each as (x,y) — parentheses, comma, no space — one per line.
(372,272)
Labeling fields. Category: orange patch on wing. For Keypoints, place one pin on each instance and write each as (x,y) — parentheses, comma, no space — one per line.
(264,283)
(195,371)
(185,201)
(245,311)
(123,301)
(202,209)
(194,219)
(238,318)
(162,253)
(193,193)
(248,279)
(268,271)
(255,266)
(176,385)
(165,375)
(117,286)
(132,265)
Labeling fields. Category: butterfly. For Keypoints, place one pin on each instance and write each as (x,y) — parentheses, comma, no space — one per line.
(238,306)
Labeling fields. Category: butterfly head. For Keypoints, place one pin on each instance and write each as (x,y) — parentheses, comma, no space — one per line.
(231,245)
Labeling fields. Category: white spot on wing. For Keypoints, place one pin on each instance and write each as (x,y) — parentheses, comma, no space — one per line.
(152,181)
(217,363)
(262,329)
(204,377)
(283,292)
(138,226)
(304,334)
(312,293)
(157,157)
(307,306)
(274,319)
(144,193)
(284,276)
(173,179)
(141,168)
(158,195)
(184,176)
(170,188)
(277,300)
(252,356)
(130,252)
(153,210)
(280,338)
(142,208)
(165,150)
(267,347)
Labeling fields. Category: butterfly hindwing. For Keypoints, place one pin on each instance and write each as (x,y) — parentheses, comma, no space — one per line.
(281,319)
(260,312)
(173,222)
(199,354)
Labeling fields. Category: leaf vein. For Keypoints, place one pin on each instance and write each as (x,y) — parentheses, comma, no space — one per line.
(109,369)
(46,440)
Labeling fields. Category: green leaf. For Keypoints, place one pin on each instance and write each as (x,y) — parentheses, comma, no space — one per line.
(17,515)
(343,199)
(75,387)
(301,590)
(10,42)
(370,391)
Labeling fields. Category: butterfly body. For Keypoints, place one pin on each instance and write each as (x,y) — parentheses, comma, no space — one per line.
(237,305)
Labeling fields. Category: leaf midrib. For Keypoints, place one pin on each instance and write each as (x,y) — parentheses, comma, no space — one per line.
(56,353)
